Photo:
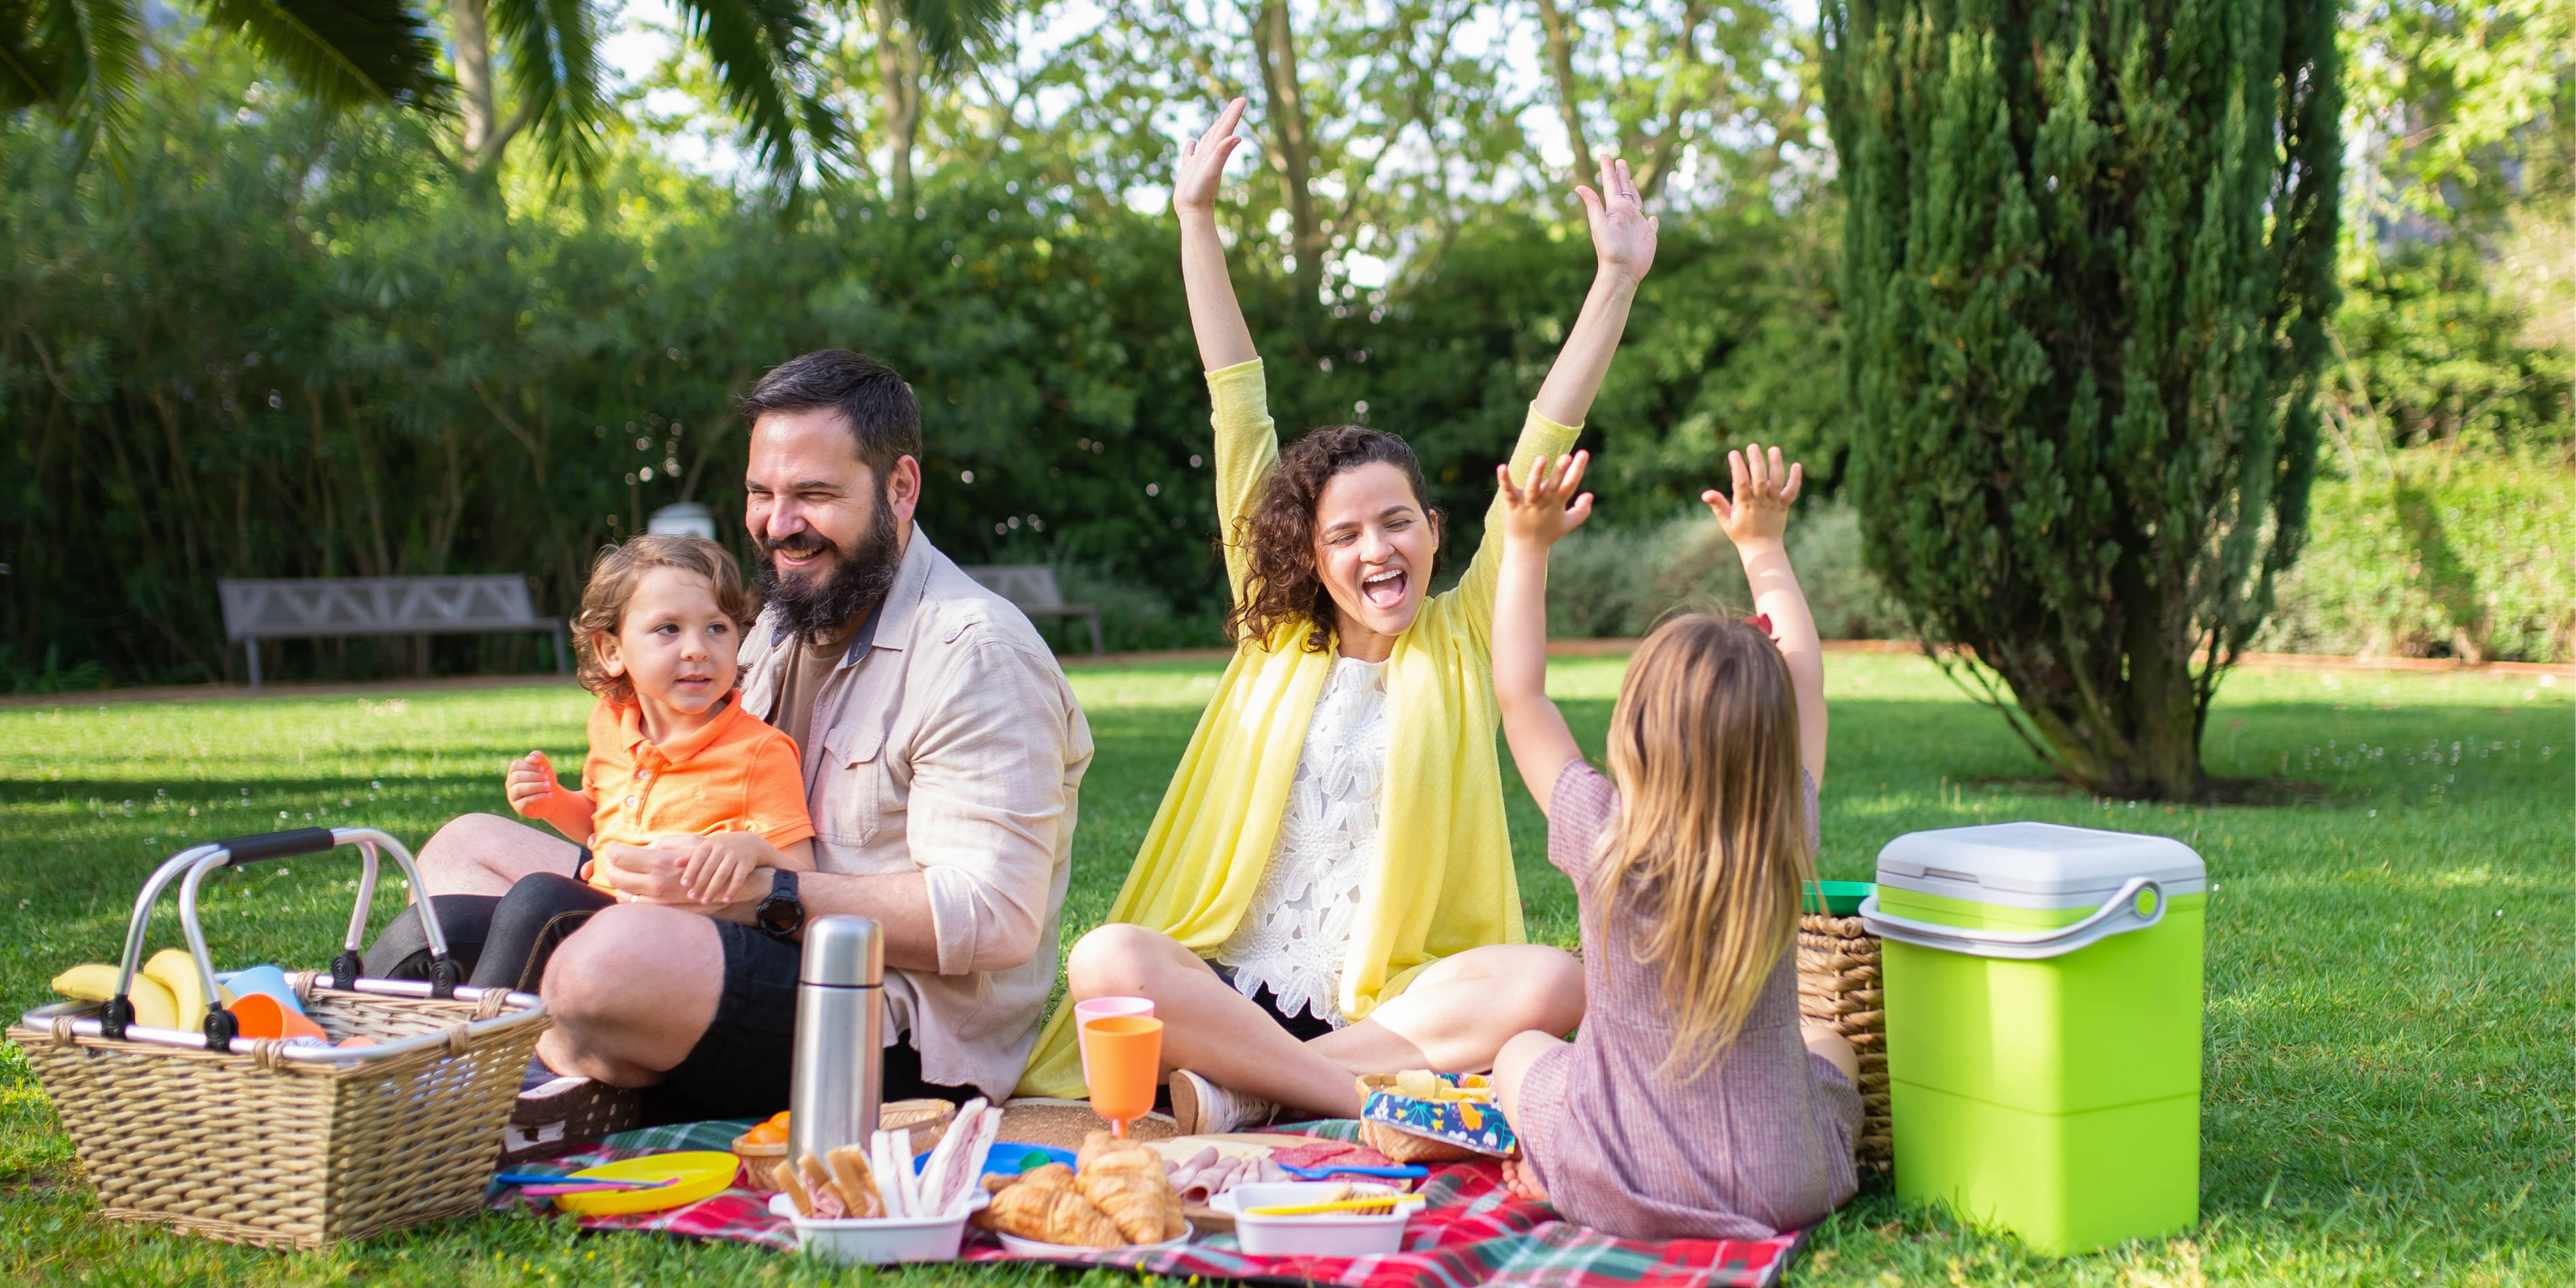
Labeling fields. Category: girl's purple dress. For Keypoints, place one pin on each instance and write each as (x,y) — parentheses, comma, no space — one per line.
(1759,1143)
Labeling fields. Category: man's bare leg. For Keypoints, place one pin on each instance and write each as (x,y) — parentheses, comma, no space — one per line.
(1208,1028)
(631,993)
(1457,1014)
(487,854)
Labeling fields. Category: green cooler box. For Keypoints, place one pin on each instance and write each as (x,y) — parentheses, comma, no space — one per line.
(2043,1028)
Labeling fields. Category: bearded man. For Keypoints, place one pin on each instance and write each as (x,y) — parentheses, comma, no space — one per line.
(942,752)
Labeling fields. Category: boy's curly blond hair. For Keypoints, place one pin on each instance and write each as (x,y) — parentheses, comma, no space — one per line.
(612,586)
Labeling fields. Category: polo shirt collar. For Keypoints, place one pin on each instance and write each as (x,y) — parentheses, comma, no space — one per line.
(630,719)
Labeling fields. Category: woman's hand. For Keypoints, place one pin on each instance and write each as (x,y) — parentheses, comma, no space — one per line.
(531,787)
(1202,168)
(1759,512)
(1547,509)
(1623,234)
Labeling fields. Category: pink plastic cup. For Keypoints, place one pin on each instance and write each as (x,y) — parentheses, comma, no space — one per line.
(1102,1008)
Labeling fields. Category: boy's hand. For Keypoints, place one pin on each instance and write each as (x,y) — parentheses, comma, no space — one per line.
(1202,168)
(725,868)
(1623,234)
(531,786)
(1759,512)
(1547,508)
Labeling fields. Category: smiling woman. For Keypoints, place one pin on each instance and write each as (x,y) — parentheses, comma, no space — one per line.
(1327,890)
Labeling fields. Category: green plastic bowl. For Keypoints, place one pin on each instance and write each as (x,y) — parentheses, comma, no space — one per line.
(1840,898)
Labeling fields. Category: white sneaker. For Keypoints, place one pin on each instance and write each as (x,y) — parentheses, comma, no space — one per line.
(1200,1107)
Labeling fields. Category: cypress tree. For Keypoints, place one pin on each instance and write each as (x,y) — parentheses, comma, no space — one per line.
(2088,260)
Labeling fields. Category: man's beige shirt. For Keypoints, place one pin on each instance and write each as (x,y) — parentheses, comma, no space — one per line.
(948,744)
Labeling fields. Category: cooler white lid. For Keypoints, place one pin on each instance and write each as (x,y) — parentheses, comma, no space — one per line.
(2036,859)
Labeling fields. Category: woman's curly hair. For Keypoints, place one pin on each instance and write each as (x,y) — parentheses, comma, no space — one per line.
(612,586)
(1278,536)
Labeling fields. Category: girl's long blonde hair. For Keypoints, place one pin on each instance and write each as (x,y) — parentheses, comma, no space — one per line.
(1711,839)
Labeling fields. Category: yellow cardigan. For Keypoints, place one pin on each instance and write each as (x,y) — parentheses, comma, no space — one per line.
(1445,882)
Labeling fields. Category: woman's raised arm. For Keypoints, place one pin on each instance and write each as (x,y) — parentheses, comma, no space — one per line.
(1224,341)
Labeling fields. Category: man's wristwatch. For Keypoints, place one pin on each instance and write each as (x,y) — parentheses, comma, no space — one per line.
(780,915)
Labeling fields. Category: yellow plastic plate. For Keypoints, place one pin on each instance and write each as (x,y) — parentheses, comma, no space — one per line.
(695,1175)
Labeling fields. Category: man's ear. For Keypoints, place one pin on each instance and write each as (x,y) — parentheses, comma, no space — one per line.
(903,490)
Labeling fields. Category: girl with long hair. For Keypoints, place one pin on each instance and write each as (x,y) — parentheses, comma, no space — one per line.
(1693,1104)
(1327,889)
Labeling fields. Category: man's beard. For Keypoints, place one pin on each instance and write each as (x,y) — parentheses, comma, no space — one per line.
(860,577)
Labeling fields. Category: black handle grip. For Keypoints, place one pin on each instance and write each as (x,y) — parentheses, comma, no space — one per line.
(277,845)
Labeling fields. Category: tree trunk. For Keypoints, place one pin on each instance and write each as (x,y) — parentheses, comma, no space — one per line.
(899,78)
(474,101)
(1659,154)
(1292,146)
(1569,95)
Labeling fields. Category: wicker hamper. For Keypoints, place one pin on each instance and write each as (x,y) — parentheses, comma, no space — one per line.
(1838,982)
(290,1146)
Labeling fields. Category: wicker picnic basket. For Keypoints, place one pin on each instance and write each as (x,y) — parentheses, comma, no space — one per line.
(1839,984)
(256,1141)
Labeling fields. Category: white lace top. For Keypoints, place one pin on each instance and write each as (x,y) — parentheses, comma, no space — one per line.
(1298,930)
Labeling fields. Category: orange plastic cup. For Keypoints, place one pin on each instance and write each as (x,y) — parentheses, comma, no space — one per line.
(262,1016)
(1126,1065)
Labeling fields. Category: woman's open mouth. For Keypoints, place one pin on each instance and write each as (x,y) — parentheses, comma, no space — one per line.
(1383,589)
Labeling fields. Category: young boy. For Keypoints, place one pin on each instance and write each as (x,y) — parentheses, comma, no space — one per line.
(673,756)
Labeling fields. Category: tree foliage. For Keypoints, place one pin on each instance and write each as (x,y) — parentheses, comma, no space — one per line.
(2089,252)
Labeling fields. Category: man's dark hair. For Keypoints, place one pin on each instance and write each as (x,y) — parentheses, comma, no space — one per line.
(885,418)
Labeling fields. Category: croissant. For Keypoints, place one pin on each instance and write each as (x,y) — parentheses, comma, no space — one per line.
(1132,1187)
(1050,1213)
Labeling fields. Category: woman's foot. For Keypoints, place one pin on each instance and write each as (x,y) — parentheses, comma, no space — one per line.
(1200,1107)
(1520,1180)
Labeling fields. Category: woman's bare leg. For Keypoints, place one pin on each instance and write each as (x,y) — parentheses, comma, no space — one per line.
(1457,1015)
(1208,1028)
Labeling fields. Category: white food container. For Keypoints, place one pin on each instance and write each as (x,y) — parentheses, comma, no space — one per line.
(1328,1234)
(877,1241)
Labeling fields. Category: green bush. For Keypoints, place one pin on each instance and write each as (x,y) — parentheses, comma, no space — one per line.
(2432,553)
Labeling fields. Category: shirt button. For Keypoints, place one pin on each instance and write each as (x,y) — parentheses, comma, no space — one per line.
(630,802)
(643,773)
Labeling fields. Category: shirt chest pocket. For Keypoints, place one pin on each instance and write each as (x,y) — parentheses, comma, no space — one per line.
(849,786)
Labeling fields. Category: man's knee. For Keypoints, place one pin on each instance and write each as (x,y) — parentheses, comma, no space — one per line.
(468,834)
(1116,960)
(624,956)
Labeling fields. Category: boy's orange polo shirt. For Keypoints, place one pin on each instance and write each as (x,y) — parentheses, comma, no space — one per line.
(732,774)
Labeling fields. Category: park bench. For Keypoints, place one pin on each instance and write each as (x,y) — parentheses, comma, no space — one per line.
(1031,588)
(325,607)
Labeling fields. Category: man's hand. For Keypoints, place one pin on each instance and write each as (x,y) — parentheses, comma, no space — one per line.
(1202,169)
(1759,512)
(1548,508)
(532,789)
(1623,234)
(725,868)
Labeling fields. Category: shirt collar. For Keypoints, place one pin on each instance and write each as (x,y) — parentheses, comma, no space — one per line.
(630,719)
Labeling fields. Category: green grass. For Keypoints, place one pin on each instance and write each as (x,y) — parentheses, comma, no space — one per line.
(2389,1077)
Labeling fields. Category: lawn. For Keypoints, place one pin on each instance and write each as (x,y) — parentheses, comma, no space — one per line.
(2389,1074)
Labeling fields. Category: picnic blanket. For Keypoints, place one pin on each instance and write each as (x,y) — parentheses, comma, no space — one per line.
(1473,1232)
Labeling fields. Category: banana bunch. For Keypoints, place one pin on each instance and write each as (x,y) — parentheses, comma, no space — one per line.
(167,993)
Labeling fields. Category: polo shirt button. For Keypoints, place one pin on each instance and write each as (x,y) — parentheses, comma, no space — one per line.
(630,802)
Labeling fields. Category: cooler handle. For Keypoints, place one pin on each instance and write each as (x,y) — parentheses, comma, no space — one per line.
(2117,916)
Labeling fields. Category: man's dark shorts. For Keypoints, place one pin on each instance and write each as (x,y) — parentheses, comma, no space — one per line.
(741,1067)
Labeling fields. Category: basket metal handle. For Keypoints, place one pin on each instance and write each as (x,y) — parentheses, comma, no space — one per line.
(219,1026)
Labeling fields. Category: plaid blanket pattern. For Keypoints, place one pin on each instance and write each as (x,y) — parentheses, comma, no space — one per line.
(1474,1232)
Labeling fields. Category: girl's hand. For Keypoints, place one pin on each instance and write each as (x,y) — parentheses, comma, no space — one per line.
(1759,512)
(1548,508)
(723,868)
(1202,169)
(1623,234)
(531,786)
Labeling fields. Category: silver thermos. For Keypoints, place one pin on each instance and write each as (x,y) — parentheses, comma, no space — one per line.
(840,1036)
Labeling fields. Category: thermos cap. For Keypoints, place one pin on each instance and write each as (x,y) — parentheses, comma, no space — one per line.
(843,951)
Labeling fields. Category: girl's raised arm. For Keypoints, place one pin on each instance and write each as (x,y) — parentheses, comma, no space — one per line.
(1224,341)
(1756,520)
(1535,518)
